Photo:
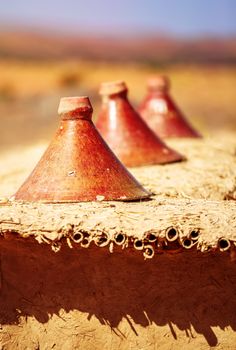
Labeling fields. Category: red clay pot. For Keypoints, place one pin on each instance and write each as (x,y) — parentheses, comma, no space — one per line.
(78,165)
(134,143)
(161,113)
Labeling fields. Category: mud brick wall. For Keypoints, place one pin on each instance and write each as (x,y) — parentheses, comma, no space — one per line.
(92,299)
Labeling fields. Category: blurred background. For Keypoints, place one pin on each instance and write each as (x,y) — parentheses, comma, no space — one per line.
(50,49)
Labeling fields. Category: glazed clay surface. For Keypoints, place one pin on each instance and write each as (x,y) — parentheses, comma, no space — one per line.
(128,135)
(162,114)
(78,165)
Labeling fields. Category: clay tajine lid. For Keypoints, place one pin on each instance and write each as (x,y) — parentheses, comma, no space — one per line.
(130,138)
(161,113)
(78,165)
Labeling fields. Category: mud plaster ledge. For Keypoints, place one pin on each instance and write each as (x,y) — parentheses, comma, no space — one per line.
(92,299)
(208,173)
(150,227)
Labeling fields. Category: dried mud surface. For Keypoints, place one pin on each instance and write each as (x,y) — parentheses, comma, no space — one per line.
(91,299)
(58,224)
(56,297)
(208,173)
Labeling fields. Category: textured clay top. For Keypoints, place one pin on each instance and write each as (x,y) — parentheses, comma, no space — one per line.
(113,87)
(159,83)
(75,105)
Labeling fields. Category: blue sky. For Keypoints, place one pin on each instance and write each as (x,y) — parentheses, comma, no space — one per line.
(184,18)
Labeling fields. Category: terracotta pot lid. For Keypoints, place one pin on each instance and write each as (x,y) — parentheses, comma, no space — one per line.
(78,165)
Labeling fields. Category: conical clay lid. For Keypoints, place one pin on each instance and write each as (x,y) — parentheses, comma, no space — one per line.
(161,113)
(78,165)
(130,138)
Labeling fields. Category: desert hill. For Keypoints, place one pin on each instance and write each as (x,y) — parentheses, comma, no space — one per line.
(153,48)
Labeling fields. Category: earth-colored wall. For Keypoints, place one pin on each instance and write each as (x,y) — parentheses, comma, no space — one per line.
(92,299)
